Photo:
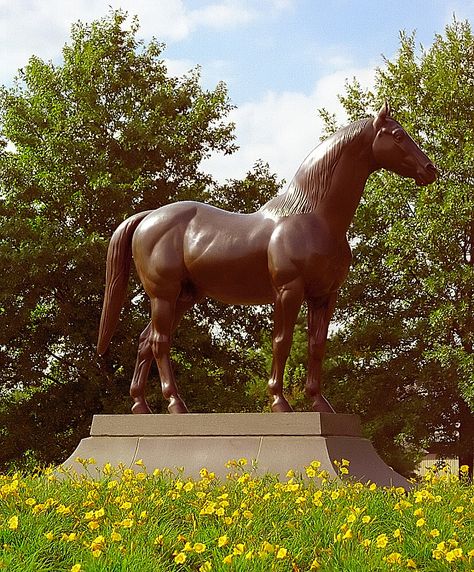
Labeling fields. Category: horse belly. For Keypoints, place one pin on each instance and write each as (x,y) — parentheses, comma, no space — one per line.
(232,281)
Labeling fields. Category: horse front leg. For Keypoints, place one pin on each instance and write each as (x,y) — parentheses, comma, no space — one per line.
(288,302)
(142,369)
(319,316)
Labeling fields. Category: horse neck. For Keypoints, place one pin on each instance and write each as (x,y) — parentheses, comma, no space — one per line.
(339,203)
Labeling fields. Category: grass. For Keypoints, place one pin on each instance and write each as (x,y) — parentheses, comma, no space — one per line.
(132,520)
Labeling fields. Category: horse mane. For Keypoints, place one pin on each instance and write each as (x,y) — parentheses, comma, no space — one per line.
(313,178)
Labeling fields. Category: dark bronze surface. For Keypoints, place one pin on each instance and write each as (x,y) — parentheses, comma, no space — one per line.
(293,249)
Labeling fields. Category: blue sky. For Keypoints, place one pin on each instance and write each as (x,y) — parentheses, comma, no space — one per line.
(281,59)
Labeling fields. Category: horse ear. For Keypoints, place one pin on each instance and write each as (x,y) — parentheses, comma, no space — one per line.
(382,116)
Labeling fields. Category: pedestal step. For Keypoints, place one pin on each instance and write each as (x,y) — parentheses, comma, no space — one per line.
(276,442)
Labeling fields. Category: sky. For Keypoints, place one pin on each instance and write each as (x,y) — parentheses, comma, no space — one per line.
(281,60)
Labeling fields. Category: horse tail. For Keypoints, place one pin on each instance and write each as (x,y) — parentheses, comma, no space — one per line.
(119,257)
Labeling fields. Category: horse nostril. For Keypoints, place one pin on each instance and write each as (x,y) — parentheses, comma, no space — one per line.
(431,169)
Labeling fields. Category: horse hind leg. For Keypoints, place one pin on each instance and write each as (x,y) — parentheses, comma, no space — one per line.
(163,320)
(142,369)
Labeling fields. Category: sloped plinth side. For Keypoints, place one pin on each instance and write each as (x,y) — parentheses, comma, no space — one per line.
(276,442)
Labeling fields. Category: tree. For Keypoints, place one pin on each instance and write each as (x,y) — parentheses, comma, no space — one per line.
(103,135)
(403,356)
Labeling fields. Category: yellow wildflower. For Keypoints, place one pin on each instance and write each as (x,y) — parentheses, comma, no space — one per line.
(30,501)
(281,554)
(247,514)
(347,535)
(366,519)
(418,512)
(249,555)
(199,547)
(242,462)
(310,472)
(69,537)
(315,565)
(394,558)
(267,547)
(411,563)
(126,523)
(351,518)
(222,541)
(454,554)
(188,486)
(13,523)
(227,559)
(434,533)
(205,567)
(420,522)
(239,549)
(180,558)
(49,535)
(115,536)
(381,541)
(140,463)
(397,533)
(76,568)
(93,525)
(96,553)
(98,543)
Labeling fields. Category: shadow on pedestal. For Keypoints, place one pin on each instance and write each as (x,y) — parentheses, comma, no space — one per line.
(276,441)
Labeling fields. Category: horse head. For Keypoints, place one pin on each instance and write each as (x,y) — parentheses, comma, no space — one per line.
(393,149)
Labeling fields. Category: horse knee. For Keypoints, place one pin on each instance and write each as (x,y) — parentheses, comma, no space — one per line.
(160,345)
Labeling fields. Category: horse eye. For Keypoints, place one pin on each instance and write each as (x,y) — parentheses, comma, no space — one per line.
(398,134)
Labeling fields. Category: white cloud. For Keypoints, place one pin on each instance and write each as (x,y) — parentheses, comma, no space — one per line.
(223,14)
(42,27)
(282,128)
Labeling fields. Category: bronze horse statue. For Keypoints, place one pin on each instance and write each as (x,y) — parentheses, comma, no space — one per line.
(291,250)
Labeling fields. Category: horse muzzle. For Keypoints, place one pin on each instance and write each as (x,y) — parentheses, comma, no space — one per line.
(427,175)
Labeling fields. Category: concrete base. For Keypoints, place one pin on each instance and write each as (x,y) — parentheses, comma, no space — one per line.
(276,441)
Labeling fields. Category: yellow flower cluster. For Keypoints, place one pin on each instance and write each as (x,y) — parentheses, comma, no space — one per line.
(303,523)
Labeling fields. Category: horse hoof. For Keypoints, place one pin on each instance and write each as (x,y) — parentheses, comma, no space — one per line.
(177,406)
(140,407)
(322,405)
(281,405)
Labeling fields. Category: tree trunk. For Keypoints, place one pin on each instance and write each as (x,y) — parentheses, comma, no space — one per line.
(466,437)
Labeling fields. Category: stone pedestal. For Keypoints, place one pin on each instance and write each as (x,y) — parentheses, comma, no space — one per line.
(276,441)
